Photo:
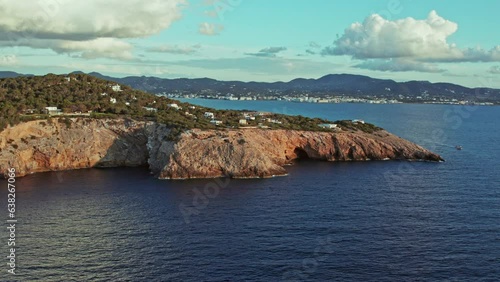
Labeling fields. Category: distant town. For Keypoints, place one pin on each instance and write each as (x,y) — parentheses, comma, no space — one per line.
(307,98)
(333,88)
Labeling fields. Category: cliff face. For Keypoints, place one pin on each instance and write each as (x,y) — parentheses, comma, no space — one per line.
(38,146)
(262,153)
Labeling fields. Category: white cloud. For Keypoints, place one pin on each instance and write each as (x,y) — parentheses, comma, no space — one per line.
(8,60)
(480,55)
(85,20)
(88,29)
(398,65)
(88,49)
(175,49)
(97,48)
(210,29)
(409,38)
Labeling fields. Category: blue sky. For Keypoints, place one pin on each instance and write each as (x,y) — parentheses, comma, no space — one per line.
(451,41)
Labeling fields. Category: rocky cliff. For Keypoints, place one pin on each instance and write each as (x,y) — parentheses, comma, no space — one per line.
(83,143)
(38,146)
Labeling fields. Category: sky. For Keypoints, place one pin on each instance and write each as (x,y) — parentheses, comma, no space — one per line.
(255,40)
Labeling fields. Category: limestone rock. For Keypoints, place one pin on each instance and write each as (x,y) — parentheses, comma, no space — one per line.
(39,146)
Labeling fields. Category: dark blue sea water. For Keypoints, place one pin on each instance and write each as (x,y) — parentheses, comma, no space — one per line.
(363,221)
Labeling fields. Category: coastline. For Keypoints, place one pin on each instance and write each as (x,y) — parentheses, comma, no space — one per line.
(236,153)
(360,101)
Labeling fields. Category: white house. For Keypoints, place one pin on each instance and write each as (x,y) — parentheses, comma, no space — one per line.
(243,122)
(50,109)
(53,111)
(216,122)
(175,106)
(112,100)
(358,121)
(250,116)
(328,125)
(209,115)
(150,109)
(116,88)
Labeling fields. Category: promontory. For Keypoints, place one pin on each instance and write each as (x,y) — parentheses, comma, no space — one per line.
(54,123)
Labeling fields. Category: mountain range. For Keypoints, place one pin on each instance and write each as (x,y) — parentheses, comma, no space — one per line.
(328,85)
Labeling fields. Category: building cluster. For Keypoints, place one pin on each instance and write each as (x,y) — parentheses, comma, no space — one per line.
(299,98)
(55,111)
(246,119)
(333,99)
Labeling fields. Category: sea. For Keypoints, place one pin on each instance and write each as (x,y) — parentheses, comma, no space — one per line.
(355,221)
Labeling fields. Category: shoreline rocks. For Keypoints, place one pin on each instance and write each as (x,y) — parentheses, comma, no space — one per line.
(39,146)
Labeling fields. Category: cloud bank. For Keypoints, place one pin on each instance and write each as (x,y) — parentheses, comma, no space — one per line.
(175,49)
(269,52)
(8,60)
(399,65)
(408,40)
(89,28)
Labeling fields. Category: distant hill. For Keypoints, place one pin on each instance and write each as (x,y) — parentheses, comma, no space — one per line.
(27,98)
(332,84)
(11,74)
(329,85)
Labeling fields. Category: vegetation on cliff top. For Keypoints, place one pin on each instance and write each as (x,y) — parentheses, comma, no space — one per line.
(27,98)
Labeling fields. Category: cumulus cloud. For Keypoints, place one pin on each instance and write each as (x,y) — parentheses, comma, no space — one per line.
(91,28)
(268,52)
(210,29)
(87,49)
(175,49)
(494,70)
(85,20)
(399,65)
(97,48)
(409,38)
(8,60)
(478,54)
